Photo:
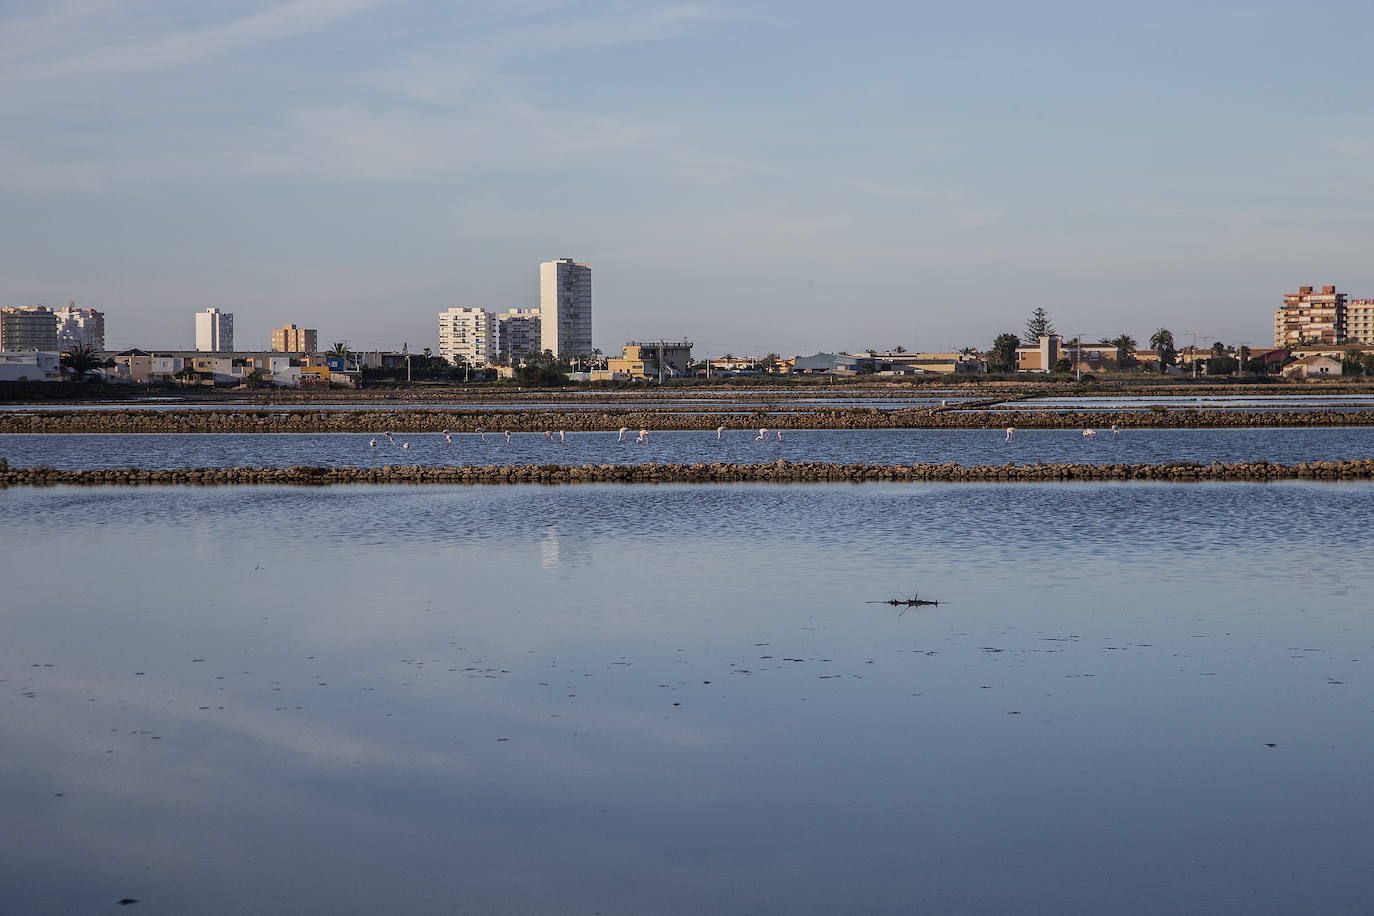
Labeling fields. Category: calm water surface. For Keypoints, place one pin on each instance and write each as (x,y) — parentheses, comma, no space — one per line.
(600,699)
(963,446)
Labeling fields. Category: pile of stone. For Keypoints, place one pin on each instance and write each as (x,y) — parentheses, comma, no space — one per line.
(716,472)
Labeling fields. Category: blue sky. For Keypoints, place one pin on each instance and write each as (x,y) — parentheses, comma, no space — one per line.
(755,176)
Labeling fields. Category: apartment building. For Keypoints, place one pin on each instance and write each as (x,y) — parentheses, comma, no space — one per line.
(291,339)
(469,334)
(214,331)
(518,331)
(80,327)
(28,328)
(565,304)
(1359,321)
(1310,317)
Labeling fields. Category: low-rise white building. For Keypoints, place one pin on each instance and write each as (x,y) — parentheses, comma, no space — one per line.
(1313,367)
(30,366)
(469,334)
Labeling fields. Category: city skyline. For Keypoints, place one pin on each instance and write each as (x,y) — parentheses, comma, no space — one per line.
(810,178)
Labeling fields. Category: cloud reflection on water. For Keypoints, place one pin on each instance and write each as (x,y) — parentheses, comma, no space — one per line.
(699,710)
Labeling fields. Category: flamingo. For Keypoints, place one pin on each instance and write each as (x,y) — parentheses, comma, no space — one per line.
(643,437)
(1089,434)
(483,433)
(372,443)
(405,445)
(623,431)
(562,436)
(720,433)
(448,438)
(508,437)
(779,435)
(1011,433)
(548,435)
(1115,431)
(763,434)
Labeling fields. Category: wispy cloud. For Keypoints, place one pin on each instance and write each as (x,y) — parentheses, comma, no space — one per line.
(102,39)
(438,109)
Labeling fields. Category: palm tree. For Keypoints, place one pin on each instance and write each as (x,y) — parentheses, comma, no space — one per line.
(80,359)
(1162,342)
(1125,348)
(899,349)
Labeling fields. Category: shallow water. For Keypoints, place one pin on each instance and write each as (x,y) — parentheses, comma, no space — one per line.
(678,699)
(905,446)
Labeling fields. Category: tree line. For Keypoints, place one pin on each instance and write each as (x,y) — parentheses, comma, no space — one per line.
(1002,355)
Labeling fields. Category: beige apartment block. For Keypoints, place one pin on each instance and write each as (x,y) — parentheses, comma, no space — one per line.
(1359,321)
(291,339)
(1310,317)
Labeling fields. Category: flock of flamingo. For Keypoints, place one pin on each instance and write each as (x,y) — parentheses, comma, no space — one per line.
(643,437)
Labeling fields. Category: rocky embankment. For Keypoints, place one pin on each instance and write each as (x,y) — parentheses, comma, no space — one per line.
(780,416)
(778,472)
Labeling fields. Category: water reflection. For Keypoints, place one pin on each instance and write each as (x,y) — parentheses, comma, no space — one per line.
(673,698)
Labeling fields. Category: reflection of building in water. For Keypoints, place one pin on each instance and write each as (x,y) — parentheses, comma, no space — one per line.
(557,550)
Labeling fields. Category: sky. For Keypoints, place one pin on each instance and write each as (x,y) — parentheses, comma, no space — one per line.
(754,176)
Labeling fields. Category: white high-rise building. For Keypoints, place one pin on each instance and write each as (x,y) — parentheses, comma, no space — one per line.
(214,330)
(565,306)
(85,327)
(469,334)
(519,333)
